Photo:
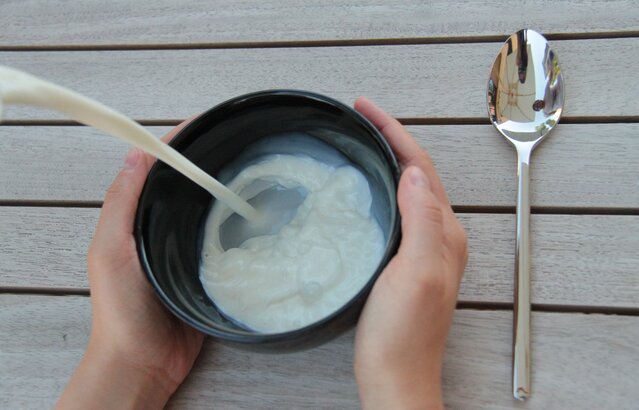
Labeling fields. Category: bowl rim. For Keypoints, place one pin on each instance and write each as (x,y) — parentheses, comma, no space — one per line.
(245,337)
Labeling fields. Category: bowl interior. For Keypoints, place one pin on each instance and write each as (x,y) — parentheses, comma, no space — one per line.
(172,209)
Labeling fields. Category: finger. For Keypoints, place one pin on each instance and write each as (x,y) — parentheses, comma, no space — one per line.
(422,218)
(404,146)
(115,225)
(120,203)
(407,150)
(169,136)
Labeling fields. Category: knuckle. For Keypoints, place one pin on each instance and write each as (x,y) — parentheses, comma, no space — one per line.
(113,191)
(440,288)
(458,235)
(465,256)
(94,257)
(461,243)
(435,285)
(432,212)
(432,285)
(462,237)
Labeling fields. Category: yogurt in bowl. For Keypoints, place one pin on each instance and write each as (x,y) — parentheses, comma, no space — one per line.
(315,263)
(328,181)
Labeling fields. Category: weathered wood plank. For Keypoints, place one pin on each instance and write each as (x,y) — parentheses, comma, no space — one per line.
(42,339)
(577,260)
(588,165)
(437,80)
(59,163)
(32,22)
(45,247)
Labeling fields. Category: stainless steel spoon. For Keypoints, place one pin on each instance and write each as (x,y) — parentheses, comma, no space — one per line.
(525,99)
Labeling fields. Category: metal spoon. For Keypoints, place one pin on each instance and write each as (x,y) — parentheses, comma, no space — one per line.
(525,99)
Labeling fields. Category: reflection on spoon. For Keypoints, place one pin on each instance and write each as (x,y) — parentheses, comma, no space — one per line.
(17,87)
(525,100)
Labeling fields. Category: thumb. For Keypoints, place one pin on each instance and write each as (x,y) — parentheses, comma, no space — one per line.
(120,203)
(422,218)
(118,211)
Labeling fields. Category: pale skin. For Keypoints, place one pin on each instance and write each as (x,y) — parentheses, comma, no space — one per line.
(401,335)
(138,353)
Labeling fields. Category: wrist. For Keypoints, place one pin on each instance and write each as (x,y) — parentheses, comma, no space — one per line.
(142,385)
(407,391)
(105,379)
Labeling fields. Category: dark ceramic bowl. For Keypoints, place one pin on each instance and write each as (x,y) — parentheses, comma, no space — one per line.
(172,209)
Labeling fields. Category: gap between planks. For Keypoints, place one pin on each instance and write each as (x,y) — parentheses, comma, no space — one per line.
(630,119)
(460,209)
(536,307)
(316,43)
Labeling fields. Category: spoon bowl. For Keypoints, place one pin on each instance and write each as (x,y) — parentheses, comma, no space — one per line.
(525,97)
(525,90)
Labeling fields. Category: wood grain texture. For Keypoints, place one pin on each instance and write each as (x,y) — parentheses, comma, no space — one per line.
(580,165)
(45,247)
(435,81)
(42,339)
(212,52)
(585,260)
(32,22)
(59,163)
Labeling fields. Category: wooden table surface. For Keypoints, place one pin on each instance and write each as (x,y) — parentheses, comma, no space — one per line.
(427,64)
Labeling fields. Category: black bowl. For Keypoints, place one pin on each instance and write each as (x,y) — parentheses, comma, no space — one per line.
(172,209)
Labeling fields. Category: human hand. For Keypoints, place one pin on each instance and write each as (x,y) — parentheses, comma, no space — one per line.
(401,336)
(138,352)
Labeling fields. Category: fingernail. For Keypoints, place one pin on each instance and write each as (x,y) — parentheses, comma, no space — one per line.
(418,178)
(132,158)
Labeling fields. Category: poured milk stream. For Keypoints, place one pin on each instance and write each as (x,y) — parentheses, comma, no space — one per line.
(311,247)
(325,246)
(18,87)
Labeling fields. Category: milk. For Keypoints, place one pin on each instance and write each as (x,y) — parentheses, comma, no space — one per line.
(17,87)
(323,246)
(310,246)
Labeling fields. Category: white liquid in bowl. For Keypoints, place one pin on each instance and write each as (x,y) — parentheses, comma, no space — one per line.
(326,252)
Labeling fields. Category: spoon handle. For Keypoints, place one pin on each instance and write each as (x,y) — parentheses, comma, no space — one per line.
(521,313)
